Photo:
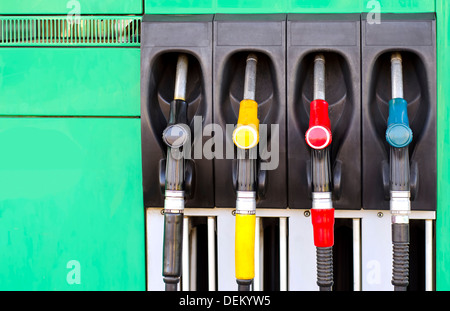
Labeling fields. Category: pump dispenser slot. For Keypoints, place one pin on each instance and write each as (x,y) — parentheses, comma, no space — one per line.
(235,36)
(419,79)
(161,35)
(342,94)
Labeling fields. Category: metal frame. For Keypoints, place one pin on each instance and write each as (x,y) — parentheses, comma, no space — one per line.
(371,248)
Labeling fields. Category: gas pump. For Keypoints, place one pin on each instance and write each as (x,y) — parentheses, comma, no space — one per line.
(246,137)
(175,136)
(318,137)
(399,135)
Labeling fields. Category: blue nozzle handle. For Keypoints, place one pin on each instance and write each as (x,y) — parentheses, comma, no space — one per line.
(398,133)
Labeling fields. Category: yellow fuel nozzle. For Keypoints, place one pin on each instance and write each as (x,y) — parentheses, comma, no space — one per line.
(246,134)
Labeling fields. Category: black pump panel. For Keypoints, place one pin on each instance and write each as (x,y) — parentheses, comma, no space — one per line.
(337,37)
(163,37)
(235,36)
(413,35)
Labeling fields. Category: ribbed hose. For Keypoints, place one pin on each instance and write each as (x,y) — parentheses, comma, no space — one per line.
(399,182)
(400,269)
(324,259)
(400,248)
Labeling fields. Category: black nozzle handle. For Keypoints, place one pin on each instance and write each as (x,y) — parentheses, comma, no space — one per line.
(246,170)
(399,169)
(321,170)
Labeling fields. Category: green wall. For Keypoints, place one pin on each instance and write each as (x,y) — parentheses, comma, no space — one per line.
(70,192)
(284,6)
(71,202)
(72,81)
(443,145)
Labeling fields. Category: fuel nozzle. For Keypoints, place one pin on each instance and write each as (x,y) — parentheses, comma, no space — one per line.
(318,137)
(176,135)
(246,137)
(399,135)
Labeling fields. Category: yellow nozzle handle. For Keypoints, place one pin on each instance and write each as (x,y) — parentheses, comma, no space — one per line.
(246,134)
(245,247)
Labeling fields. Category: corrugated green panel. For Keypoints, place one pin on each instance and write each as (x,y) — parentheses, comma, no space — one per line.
(70,81)
(71,7)
(286,6)
(443,145)
(73,31)
(71,206)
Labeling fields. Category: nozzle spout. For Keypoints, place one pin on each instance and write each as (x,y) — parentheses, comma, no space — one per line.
(181,77)
(250,77)
(319,77)
(396,75)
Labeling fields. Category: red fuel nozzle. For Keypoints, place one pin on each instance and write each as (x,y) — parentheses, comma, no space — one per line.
(318,135)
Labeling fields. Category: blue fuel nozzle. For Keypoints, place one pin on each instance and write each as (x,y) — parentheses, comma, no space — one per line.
(398,133)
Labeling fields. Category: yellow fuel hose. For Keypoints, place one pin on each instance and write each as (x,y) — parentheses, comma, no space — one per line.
(245,247)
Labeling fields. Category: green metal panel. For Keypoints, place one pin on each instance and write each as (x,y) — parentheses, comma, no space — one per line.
(286,6)
(71,206)
(70,81)
(71,7)
(251,6)
(443,145)
(400,6)
(357,6)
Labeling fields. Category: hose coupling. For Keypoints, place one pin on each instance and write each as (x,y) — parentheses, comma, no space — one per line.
(400,206)
(246,202)
(174,201)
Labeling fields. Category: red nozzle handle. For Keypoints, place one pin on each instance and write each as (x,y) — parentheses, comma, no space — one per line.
(318,135)
(323,226)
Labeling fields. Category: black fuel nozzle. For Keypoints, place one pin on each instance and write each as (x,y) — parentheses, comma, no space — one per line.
(176,136)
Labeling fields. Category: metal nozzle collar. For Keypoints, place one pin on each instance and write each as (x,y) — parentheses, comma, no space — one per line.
(246,202)
(174,201)
(322,200)
(400,206)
